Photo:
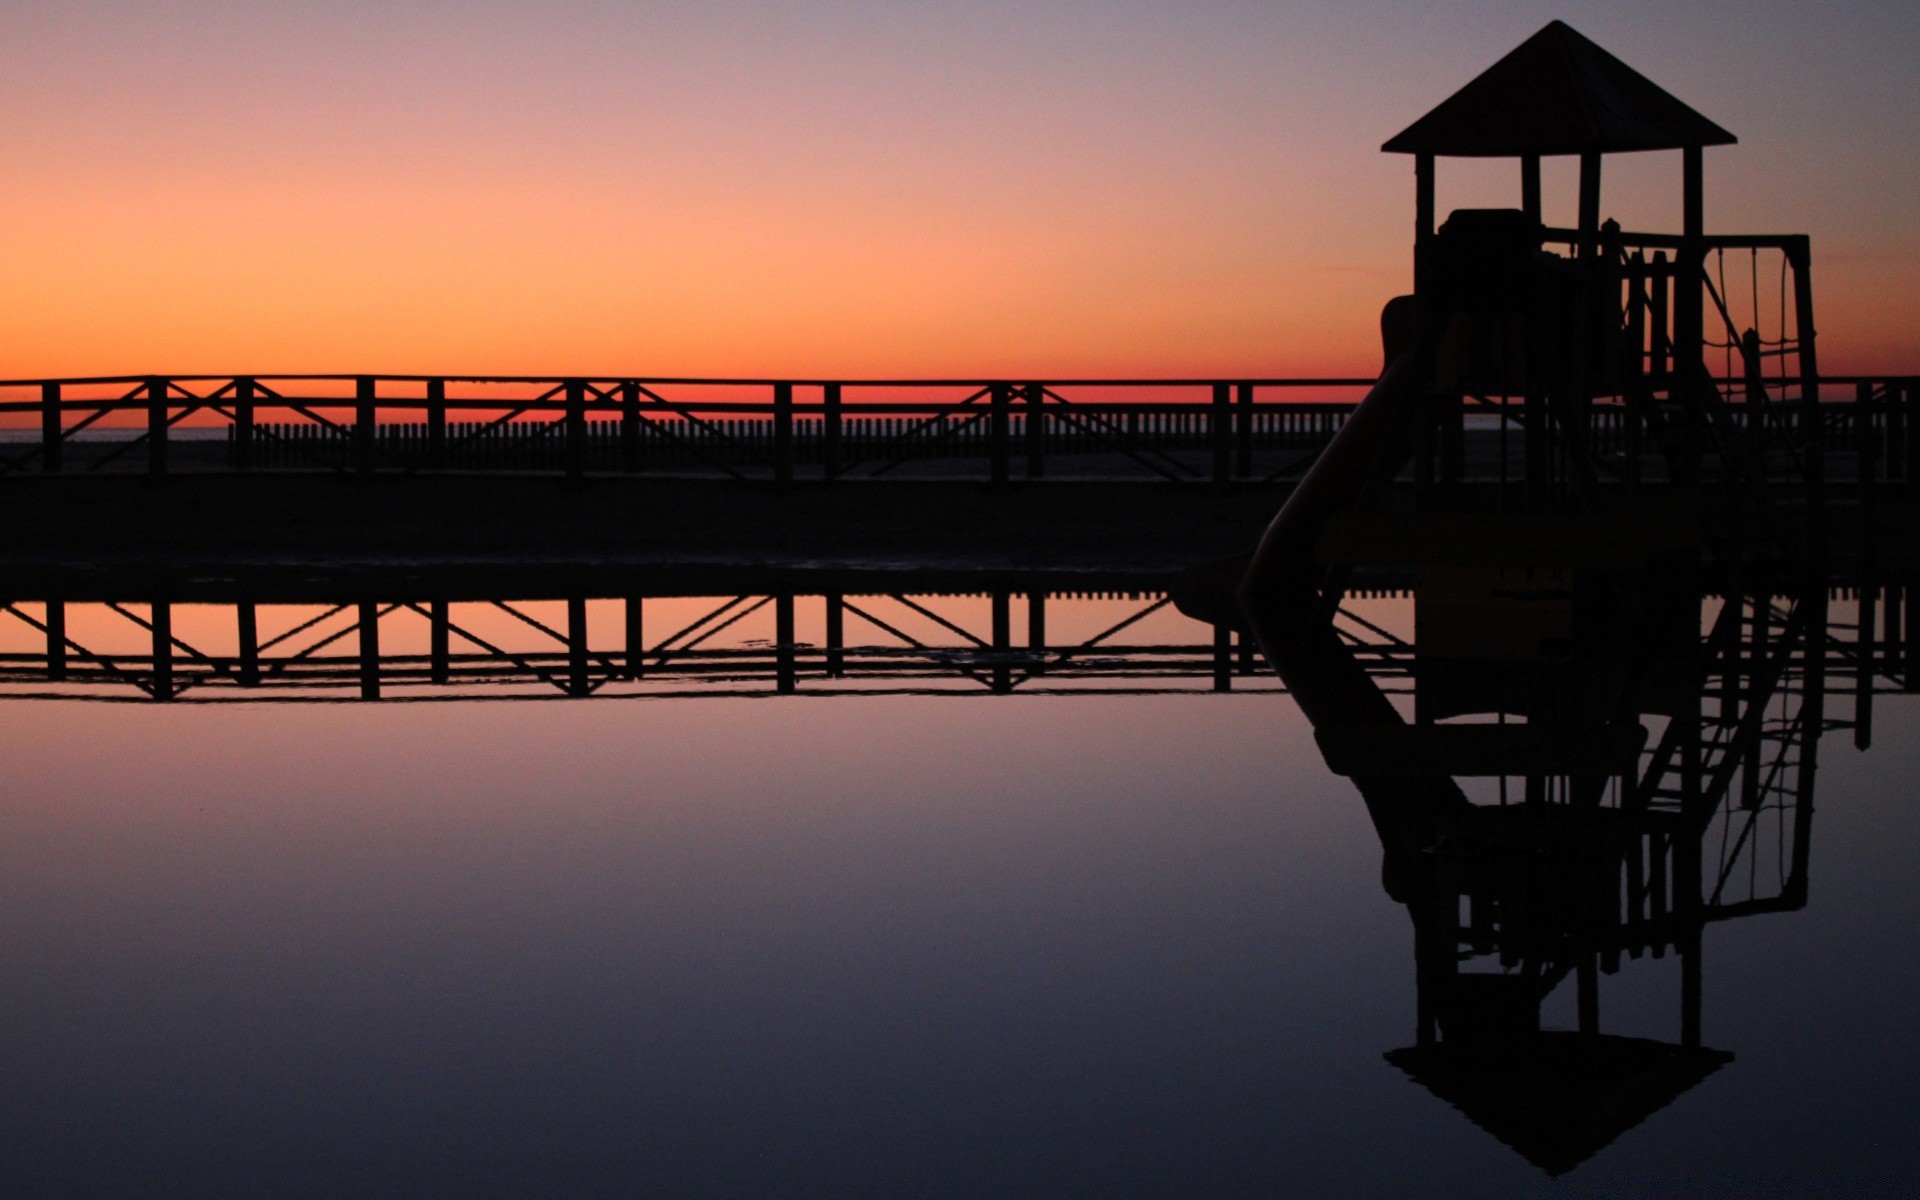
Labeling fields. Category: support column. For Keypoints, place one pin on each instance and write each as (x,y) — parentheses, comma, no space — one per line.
(576,430)
(1530,187)
(1037,631)
(830,451)
(437,424)
(1222,658)
(630,427)
(52,428)
(439,637)
(635,637)
(246,619)
(56,623)
(1002,639)
(836,636)
(1589,205)
(365,413)
(1243,431)
(243,424)
(999,422)
(161,618)
(157,429)
(578,681)
(1220,435)
(785,673)
(1036,430)
(782,434)
(1423,198)
(369,626)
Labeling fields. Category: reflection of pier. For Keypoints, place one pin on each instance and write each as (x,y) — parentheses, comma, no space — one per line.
(409,637)
(433,644)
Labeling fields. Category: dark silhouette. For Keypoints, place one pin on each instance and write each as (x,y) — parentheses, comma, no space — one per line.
(1574,742)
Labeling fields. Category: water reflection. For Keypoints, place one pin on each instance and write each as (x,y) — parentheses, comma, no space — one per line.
(1545,850)
(1589,769)
(427,635)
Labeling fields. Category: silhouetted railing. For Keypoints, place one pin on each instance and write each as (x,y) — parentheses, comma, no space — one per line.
(1202,432)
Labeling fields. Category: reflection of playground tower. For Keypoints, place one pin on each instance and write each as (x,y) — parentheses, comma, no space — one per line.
(1576,745)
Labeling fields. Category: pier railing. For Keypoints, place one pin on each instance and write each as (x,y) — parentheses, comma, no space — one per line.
(1201,432)
(775,431)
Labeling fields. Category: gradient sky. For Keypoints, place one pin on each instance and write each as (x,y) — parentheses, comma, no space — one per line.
(741,188)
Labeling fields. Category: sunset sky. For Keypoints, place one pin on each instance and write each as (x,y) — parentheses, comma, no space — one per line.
(849,189)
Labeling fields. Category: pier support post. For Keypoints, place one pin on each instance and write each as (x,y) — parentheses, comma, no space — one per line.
(830,452)
(1222,658)
(634,637)
(1002,639)
(56,640)
(156,429)
(782,434)
(1037,631)
(52,428)
(1243,431)
(437,424)
(999,421)
(1220,435)
(576,430)
(439,631)
(369,626)
(1866,657)
(785,675)
(243,424)
(365,412)
(246,619)
(161,619)
(836,621)
(836,636)
(578,683)
(630,427)
(1036,430)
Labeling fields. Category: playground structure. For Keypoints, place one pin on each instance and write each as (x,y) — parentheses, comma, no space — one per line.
(1621,650)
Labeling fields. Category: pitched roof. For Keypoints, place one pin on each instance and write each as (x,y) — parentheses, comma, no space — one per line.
(1557,93)
(1558,1098)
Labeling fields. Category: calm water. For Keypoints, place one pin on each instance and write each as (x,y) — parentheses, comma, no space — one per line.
(851,946)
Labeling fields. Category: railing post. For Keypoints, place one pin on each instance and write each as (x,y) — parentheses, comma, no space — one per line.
(630,427)
(576,431)
(830,430)
(52,431)
(369,629)
(437,424)
(1036,430)
(999,401)
(1243,431)
(156,428)
(365,412)
(243,424)
(782,434)
(1220,435)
